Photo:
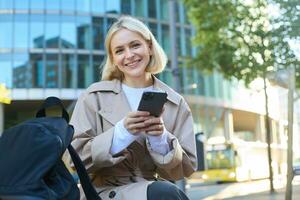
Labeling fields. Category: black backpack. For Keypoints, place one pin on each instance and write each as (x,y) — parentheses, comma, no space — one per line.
(31,166)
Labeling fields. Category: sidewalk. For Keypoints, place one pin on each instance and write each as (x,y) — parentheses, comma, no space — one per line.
(278,195)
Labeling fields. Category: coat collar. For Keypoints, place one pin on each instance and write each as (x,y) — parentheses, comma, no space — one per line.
(115,86)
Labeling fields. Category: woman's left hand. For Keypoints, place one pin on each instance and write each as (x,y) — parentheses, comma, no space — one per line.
(155,126)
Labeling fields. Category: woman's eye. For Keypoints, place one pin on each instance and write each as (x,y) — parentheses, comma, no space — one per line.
(118,51)
(136,45)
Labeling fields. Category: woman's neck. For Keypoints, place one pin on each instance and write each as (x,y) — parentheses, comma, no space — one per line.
(140,82)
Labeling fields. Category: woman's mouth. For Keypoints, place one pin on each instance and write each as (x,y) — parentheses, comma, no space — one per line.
(132,64)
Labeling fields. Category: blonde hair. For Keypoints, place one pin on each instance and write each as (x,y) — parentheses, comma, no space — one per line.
(158,60)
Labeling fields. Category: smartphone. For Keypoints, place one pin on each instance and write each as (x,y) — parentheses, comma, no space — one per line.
(153,102)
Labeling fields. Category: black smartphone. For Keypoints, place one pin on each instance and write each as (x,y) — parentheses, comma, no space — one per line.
(153,102)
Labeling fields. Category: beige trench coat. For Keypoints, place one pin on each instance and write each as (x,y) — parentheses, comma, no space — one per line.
(125,176)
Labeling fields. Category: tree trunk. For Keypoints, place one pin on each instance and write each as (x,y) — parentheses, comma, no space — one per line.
(268,135)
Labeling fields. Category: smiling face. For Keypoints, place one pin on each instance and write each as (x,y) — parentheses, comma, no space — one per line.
(131,54)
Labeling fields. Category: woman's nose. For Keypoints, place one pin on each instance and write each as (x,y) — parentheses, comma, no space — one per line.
(128,53)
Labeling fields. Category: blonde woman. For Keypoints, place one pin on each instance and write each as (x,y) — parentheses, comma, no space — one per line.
(130,154)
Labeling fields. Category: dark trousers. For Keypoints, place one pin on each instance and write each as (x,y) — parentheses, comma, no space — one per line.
(164,190)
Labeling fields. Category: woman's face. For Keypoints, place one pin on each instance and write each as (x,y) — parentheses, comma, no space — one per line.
(131,53)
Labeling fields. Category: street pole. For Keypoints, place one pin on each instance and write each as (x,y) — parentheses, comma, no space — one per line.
(290,173)
(174,62)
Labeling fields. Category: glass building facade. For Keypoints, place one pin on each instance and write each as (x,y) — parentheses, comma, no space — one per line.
(59,44)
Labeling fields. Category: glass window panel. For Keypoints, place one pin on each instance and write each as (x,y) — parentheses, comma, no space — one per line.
(37,4)
(126,7)
(153,28)
(113,6)
(5,4)
(177,11)
(84,36)
(20,70)
(98,33)
(21,4)
(68,5)
(166,38)
(98,6)
(188,42)
(6,69)
(139,8)
(37,36)
(51,71)
(109,23)
(164,10)
(52,31)
(97,67)
(68,72)
(37,70)
(152,8)
(6,36)
(178,42)
(83,5)
(68,32)
(84,78)
(21,31)
(52,4)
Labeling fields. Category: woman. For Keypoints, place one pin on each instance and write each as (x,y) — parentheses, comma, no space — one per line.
(129,153)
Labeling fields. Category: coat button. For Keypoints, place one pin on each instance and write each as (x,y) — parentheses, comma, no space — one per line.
(112,194)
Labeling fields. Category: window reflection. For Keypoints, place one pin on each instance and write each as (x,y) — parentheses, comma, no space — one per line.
(152,8)
(98,33)
(36,31)
(164,10)
(166,39)
(98,6)
(21,4)
(84,77)
(4,4)
(188,41)
(68,32)
(68,5)
(126,7)
(21,31)
(51,71)
(178,42)
(20,70)
(83,5)
(6,69)
(139,8)
(52,31)
(68,71)
(84,36)
(112,6)
(37,4)
(153,28)
(37,70)
(97,64)
(52,4)
(6,36)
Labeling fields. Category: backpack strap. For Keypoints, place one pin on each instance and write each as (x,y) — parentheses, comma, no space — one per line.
(49,102)
(88,189)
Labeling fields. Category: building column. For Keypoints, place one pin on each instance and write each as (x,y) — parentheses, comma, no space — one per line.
(228,125)
(260,131)
(1,118)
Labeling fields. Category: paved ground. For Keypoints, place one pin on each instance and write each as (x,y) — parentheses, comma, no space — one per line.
(246,190)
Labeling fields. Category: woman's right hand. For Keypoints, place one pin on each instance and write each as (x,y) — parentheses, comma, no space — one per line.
(134,121)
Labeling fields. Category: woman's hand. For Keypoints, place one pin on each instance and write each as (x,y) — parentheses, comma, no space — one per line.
(154,126)
(134,121)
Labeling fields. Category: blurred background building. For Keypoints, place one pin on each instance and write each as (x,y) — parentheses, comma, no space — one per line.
(56,47)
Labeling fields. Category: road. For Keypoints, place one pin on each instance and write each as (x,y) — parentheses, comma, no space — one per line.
(199,191)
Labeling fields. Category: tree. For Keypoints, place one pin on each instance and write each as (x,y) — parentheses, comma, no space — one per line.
(243,39)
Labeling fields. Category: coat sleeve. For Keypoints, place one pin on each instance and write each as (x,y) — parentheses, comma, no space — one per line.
(92,145)
(181,161)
